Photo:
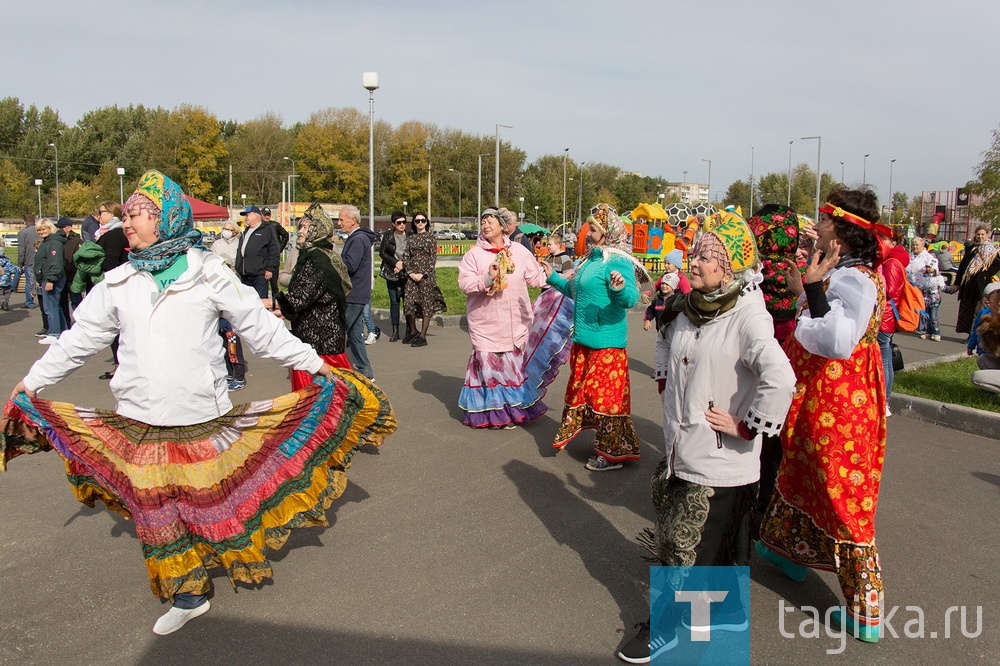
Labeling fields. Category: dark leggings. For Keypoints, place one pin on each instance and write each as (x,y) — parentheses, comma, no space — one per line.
(396,290)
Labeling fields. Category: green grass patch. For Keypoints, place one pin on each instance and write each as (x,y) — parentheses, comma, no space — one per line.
(447,279)
(946,382)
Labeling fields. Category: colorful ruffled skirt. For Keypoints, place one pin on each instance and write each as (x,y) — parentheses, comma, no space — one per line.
(598,397)
(214,494)
(496,391)
(549,338)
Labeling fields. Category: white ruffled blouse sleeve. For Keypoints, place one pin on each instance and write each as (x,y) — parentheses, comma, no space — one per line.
(852,295)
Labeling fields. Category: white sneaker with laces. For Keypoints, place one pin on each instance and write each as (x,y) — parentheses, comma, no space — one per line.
(370,340)
(175,618)
(48,340)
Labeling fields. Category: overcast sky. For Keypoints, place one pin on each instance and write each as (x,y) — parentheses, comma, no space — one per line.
(654,87)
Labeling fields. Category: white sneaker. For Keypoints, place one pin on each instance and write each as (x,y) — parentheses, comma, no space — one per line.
(888,412)
(370,340)
(175,618)
(48,340)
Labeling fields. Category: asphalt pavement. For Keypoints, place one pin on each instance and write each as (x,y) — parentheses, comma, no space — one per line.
(458,546)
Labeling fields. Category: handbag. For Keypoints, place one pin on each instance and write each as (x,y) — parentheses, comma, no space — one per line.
(387,273)
(897,358)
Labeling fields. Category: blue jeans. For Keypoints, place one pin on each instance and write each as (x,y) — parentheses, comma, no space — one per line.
(29,287)
(933,322)
(53,310)
(885,346)
(187,600)
(369,320)
(357,353)
(395,298)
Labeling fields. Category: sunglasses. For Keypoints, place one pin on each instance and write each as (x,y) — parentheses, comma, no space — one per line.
(102,211)
(400,222)
(420,219)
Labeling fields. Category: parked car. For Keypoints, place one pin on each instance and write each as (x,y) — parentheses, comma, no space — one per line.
(448,234)
(470,234)
(9,240)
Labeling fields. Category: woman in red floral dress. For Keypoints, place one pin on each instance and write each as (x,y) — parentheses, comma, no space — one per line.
(822,515)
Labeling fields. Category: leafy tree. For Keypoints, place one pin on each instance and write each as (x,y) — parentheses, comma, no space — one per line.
(333,155)
(257,150)
(186,144)
(77,199)
(15,190)
(403,173)
(987,184)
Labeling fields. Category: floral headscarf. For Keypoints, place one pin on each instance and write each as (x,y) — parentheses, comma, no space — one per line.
(986,252)
(163,198)
(318,248)
(604,218)
(776,229)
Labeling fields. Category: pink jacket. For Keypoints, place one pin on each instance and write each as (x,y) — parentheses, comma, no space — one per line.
(498,323)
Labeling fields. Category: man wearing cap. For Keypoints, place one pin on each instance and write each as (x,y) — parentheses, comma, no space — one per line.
(282,236)
(257,253)
(68,300)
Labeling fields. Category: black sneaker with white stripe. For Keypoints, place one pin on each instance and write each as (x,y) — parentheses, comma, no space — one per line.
(641,649)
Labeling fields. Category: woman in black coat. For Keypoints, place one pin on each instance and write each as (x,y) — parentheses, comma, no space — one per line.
(391,249)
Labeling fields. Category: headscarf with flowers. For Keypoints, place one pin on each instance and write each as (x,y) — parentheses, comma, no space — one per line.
(175,231)
(604,218)
(317,247)
(776,229)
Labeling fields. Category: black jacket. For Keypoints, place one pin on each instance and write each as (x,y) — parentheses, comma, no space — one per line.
(115,246)
(261,253)
(387,249)
(49,262)
(73,243)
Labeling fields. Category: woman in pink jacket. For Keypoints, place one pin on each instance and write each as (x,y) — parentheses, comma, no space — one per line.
(495,275)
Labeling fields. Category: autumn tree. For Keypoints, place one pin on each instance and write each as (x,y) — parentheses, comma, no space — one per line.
(257,150)
(987,184)
(186,144)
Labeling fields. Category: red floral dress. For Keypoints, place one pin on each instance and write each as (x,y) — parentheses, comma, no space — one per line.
(823,515)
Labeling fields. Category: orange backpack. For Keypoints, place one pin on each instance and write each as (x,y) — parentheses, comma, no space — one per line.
(909,308)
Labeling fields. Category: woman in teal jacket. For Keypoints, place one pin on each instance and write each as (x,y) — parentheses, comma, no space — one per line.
(604,288)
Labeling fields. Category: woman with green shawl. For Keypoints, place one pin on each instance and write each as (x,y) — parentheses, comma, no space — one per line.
(314,302)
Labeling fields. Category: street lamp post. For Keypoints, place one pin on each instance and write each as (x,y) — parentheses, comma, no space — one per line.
(56,149)
(459,194)
(428,193)
(579,201)
(819,152)
(522,208)
(370,82)
(38,184)
(565,160)
(750,211)
(496,176)
(709,179)
(891,163)
(789,201)
(864,170)
(841,172)
(479,184)
(291,181)
(536,214)
(121,185)
(404,206)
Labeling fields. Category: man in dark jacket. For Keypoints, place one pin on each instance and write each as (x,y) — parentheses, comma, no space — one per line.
(26,239)
(357,255)
(51,276)
(282,236)
(257,253)
(69,300)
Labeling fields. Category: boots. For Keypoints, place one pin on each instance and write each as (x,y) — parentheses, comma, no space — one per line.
(410,337)
(395,334)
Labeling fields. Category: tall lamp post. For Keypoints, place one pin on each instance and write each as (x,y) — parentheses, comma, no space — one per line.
(565,160)
(479,185)
(536,214)
(841,172)
(709,179)
(819,152)
(459,194)
(864,170)
(121,185)
(789,201)
(579,201)
(404,206)
(750,212)
(370,82)
(56,149)
(496,176)
(522,208)
(891,162)
(38,184)
(291,180)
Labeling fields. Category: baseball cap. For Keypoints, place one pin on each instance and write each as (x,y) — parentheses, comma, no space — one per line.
(991,287)
(265,211)
(64,222)
(250,209)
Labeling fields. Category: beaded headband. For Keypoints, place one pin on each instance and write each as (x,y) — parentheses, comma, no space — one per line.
(837,211)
